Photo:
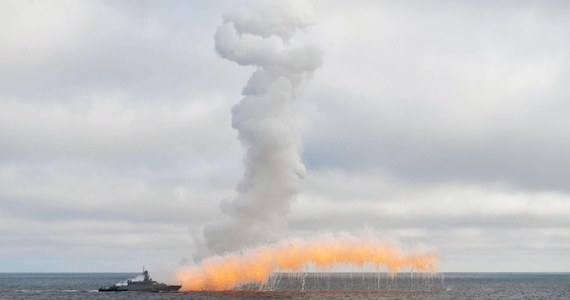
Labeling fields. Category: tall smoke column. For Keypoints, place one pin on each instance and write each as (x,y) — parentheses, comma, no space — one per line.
(259,35)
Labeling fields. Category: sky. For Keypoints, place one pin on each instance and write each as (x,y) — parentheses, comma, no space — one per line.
(435,123)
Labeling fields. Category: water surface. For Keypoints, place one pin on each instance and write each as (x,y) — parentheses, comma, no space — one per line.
(306,286)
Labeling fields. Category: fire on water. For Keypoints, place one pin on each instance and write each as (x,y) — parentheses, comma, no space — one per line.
(256,265)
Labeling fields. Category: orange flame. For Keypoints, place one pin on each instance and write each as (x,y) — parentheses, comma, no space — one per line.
(256,265)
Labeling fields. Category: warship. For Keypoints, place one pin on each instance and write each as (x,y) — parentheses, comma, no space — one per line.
(145,285)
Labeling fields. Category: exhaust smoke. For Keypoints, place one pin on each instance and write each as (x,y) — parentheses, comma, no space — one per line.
(244,247)
(259,36)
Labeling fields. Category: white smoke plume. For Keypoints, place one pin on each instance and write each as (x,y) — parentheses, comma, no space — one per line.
(259,35)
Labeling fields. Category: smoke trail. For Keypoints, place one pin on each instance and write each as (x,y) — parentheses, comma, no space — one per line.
(256,265)
(259,35)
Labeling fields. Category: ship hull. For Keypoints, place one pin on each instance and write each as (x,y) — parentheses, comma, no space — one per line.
(146,285)
(162,289)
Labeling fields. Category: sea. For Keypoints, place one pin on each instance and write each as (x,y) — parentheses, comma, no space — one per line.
(306,286)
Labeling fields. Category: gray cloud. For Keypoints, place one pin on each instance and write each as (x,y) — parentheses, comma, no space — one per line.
(483,100)
(437,123)
(525,154)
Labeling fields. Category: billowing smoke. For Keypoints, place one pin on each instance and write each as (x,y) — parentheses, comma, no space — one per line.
(260,35)
(243,249)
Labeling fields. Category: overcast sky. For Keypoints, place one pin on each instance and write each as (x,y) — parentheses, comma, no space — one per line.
(444,124)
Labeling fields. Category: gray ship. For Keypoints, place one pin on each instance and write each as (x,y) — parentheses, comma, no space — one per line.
(146,285)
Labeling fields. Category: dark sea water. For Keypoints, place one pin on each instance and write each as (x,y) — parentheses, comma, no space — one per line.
(307,286)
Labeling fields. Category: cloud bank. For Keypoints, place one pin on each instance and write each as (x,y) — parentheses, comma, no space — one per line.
(432,122)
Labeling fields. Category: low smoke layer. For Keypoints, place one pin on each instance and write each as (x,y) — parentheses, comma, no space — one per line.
(322,253)
(258,35)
